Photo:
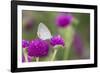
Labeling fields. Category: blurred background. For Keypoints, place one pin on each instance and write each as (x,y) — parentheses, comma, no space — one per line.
(80,41)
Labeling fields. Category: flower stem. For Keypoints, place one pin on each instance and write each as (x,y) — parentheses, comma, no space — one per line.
(67,34)
(25,55)
(54,54)
(66,53)
(37,59)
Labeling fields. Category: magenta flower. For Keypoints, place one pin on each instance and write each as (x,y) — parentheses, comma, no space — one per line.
(78,44)
(38,48)
(25,43)
(63,20)
(57,40)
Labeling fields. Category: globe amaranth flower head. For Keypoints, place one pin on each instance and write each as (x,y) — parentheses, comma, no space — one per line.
(63,20)
(38,48)
(25,43)
(57,40)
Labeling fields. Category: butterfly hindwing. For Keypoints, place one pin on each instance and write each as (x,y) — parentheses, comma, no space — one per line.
(43,32)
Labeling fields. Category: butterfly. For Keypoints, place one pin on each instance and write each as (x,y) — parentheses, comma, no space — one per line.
(43,32)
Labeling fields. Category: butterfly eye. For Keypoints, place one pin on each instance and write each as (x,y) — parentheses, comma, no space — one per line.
(43,32)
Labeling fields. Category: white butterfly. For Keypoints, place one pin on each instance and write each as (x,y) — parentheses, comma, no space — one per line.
(43,32)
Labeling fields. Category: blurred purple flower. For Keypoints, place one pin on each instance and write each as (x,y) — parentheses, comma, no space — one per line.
(38,48)
(78,44)
(63,20)
(25,43)
(57,40)
(29,25)
(29,59)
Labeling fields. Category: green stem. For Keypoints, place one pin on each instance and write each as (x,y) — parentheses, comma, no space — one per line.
(66,53)
(25,55)
(67,34)
(37,59)
(54,54)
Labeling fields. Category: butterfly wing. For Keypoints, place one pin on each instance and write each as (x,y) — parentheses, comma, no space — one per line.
(43,32)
